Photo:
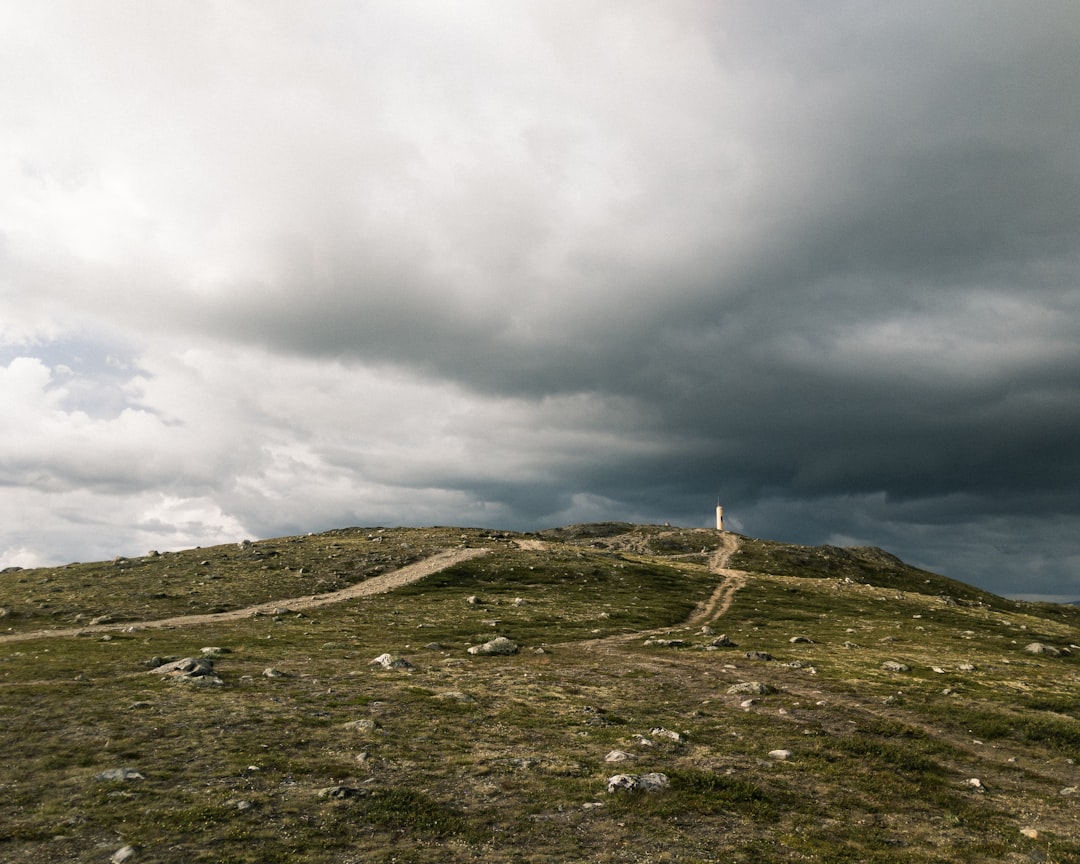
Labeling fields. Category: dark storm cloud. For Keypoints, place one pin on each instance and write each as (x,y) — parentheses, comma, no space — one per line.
(547,263)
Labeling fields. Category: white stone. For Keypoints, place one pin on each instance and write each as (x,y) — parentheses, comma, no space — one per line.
(780,754)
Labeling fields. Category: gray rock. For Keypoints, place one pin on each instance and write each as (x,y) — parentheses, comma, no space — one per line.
(214,651)
(797,640)
(271,672)
(895,666)
(340,793)
(198,671)
(666,643)
(661,732)
(500,645)
(653,782)
(722,641)
(758,655)
(1040,648)
(751,688)
(780,754)
(623,783)
(364,724)
(119,774)
(389,661)
(618,756)
(123,854)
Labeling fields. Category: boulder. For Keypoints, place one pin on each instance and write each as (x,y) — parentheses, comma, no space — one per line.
(500,645)
(895,666)
(1040,648)
(389,661)
(195,670)
(653,782)
(751,688)
(119,774)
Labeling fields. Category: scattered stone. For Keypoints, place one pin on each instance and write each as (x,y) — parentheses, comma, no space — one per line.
(340,793)
(433,646)
(107,618)
(500,645)
(758,655)
(751,688)
(119,774)
(801,640)
(667,643)
(473,600)
(653,782)
(618,756)
(895,666)
(364,724)
(852,645)
(389,661)
(746,704)
(661,732)
(1030,833)
(707,631)
(214,652)
(722,641)
(966,667)
(976,784)
(124,853)
(1070,790)
(780,754)
(520,601)
(239,804)
(195,670)
(1040,648)
(271,672)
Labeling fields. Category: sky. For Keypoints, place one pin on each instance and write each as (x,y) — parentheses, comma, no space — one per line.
(270,268)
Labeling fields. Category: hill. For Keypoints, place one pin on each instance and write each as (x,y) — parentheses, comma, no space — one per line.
(783,703)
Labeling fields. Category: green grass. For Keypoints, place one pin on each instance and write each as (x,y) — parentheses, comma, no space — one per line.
(503,759)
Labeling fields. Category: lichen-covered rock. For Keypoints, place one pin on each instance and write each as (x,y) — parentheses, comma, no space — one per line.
(195,670)
(653,782)
(500,645)
(389,661)
(751,688)
(1040,648)
(119,774)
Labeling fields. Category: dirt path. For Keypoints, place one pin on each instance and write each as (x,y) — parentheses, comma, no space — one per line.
(721,598)
(375,585)
(705,613)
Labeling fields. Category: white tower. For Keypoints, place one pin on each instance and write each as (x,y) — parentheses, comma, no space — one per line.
(719,517)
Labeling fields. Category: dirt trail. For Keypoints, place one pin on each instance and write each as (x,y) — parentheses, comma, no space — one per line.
(376,585)
(705,613)
(721,598)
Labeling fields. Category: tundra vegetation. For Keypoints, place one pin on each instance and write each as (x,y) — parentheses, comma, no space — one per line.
(902,717)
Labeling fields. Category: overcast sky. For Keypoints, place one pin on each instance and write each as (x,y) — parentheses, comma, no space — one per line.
(271,267)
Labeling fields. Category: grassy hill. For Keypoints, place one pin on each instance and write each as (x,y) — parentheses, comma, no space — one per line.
(915,724)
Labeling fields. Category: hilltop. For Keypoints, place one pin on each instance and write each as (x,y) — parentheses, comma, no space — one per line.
(314,699)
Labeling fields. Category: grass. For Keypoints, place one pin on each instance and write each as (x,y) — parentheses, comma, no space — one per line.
(503,758)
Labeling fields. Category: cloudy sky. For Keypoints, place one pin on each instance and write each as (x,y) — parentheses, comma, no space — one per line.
(270,267)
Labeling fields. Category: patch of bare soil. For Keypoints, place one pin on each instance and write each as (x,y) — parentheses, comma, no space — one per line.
(376,585)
